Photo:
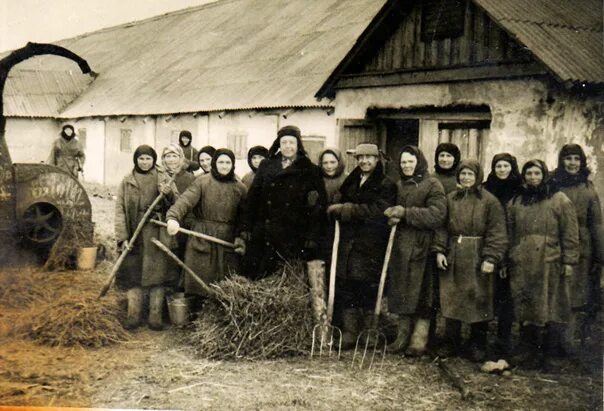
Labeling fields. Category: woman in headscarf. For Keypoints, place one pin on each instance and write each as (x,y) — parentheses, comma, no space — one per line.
(67,152)
(504,182)
(420,209)
(571,177)
(544,248)
(255,155)
(469,247)
(446,161)
(144,269)
(204,158)
(286,206)
(333,168)
(185,139)
(216,200)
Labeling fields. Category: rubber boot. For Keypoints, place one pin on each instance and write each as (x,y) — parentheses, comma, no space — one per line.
(452,341)
(350,328)
(419,339)
(478,341)
(135,308)
(403,332)
(156,305)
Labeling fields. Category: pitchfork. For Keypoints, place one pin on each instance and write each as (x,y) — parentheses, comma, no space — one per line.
(326,338)
(371,341)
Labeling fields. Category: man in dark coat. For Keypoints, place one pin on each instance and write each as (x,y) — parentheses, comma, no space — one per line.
(366,194)
(286,207)
(185,139)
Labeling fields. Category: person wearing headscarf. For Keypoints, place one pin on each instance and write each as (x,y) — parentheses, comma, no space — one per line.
(365,194)
(216,201)
(420,209)
(544,238)
(469,247)
(185,139)
(504,182)
(144,268)
(204,159)
(255,155)
(67,152)
(571,178)
(333,168)
(286,206)
(446,160)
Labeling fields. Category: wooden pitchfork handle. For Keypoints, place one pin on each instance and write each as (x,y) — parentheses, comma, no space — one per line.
(197,234)
(378,303)
(130,243)
(332,272)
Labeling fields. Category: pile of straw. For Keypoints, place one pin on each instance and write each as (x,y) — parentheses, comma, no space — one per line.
(256,320)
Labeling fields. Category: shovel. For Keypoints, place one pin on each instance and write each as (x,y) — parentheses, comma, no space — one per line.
(370,341)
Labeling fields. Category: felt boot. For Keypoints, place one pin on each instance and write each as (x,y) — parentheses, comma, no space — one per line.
(135,308)
(156,305)
(350,328)
(529,353)
(478,342)
(403,331)
(419,338)
(452,341)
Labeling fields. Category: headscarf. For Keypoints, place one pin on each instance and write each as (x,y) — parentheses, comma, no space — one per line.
(214,171)
(176,149)
(290,131)
(140,150)
(451,149)
(421,168)
(561,177)
(506,189)
(64,135)
(256,151)
(341,162)
(209,150)
(476,168)
(531,195)
(185,133)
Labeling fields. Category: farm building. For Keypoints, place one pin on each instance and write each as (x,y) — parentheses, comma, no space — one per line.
(232,72)
(522,76)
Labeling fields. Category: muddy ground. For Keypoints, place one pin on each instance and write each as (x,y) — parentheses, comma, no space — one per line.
(156,370)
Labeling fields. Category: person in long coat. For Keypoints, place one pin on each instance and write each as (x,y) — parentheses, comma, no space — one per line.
(286,207)
(571,178)
(544,237)
(365,195)
(67,152)
(255,155)
(185,140)
(144,268)
(216,200)
(420,209)
(504,182)
(204,159)
(470,245)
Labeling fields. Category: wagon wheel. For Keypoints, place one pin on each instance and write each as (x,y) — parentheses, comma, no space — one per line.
(42,223)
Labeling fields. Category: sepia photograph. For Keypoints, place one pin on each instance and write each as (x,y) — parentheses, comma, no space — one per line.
(301,205)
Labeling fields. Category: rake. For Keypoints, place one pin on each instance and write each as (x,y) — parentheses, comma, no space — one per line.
(326,338)
(371,341)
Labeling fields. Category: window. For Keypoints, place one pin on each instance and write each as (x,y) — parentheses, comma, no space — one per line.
(82,137)
(313,146)
(237,143)
(442,19)
(469,136)
(125,139)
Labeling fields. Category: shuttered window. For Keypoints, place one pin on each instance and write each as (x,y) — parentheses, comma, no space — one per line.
(237,143)
(469,136)
(125,139)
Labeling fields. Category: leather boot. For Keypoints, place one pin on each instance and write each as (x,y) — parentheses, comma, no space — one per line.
(403,331)
(350,328)
(452,342)
(478,344)
(135,308)
(156,305)
(419,339)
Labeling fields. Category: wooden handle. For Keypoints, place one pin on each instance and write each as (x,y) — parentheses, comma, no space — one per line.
(332,272)
(197,234)
(378,303)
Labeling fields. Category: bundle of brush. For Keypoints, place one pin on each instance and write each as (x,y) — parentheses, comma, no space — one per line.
(76,234)
(256,320)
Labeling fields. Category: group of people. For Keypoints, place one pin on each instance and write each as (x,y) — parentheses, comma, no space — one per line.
(524,246)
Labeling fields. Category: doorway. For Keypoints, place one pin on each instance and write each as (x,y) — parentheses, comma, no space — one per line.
(399,133)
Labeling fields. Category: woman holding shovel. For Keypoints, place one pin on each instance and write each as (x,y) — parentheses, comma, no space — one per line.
(216,200)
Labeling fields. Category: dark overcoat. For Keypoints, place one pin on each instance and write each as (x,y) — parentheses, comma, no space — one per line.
(68,155)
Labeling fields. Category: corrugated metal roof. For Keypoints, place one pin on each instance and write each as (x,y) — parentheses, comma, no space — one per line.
(565,35)
(232,54)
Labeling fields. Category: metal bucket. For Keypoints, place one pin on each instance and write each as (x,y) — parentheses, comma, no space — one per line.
(179,308)
(86,258)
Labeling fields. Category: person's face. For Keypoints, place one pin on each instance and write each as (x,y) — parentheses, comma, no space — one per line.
(533,176)
(445,160)
(503,169)
(224,164)
(185,141)
(68,131)
(256,160)
(172,160)
(408,164)
(572,163)
(329,163)
(467,178)
(288,146)
(205,162)
(145,162)
(367,163)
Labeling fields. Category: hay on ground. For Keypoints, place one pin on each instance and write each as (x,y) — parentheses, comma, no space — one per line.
(256,320)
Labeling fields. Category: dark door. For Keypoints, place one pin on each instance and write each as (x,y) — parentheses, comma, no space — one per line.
(399,133)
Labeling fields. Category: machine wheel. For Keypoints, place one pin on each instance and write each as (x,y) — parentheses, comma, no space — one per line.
(42,223)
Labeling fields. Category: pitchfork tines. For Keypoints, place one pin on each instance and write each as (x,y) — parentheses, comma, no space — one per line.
(370,346)
(326,341)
